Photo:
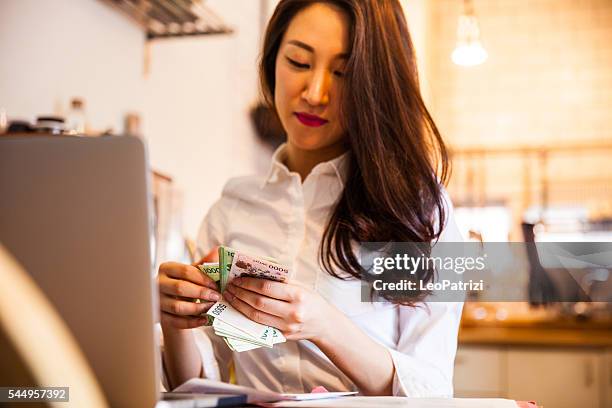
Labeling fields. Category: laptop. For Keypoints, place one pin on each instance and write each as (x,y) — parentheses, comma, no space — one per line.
(76,212)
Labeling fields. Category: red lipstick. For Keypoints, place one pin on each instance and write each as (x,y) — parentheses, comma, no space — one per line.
(310,120)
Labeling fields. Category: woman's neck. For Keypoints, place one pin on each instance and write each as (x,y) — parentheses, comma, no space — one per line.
(303,161)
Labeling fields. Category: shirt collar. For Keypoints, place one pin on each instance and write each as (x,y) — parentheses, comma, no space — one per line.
(337,167)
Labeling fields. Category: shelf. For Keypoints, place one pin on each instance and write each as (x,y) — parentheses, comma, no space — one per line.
(170,19)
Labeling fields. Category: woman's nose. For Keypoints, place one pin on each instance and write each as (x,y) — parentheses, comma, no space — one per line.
(317,89)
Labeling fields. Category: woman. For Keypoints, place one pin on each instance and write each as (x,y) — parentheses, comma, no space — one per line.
(363,162)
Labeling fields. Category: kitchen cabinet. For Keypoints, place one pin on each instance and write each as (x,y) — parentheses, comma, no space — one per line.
(480,372)
(553,377)
(561,379)
(607,378)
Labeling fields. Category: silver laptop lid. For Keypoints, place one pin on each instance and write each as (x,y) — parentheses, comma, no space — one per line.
(75,213)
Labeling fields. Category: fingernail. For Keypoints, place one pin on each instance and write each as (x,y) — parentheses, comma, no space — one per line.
(214,297)
(228,295)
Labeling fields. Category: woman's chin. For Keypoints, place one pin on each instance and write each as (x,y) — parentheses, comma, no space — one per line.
(307,142)
(312,140)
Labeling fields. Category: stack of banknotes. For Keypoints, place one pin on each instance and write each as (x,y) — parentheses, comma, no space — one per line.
(238,331)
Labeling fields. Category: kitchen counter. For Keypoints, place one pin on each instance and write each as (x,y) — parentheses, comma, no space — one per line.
(535,336)
(535,328)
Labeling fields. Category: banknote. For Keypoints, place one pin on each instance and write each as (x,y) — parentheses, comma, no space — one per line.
(239,332)
(277,336)
(225,312)
(226,330)
(212,270)
(247,265)
(226,259)
(239,344)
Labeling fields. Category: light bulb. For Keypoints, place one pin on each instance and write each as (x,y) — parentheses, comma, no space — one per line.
(469,51)
(468,55)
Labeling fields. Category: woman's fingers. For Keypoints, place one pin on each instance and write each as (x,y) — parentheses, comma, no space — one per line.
(183,288)
(178,284)
(260,302)
(188,273)
(266,287)
(180,307)
(168,319)
(254,314)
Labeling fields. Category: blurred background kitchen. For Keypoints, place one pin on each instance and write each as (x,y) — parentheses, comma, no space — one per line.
(520,89)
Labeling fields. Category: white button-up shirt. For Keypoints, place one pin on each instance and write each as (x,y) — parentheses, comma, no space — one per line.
(281,217)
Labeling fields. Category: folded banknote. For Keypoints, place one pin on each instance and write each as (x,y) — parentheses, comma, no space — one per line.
(238,331)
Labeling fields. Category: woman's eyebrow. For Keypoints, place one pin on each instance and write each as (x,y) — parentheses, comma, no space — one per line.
(309,48)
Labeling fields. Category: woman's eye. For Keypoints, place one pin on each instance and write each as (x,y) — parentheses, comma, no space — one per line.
(298,64)
(339,74)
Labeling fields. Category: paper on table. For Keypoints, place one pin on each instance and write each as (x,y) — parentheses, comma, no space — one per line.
(203,386)
(311,396)
(403,402)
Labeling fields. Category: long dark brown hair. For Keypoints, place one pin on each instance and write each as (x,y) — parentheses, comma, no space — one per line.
(393,192)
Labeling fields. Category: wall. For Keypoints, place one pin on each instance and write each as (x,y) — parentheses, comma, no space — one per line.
(417,12)
(193,103)
(197,97)
(546,83)
(51,51)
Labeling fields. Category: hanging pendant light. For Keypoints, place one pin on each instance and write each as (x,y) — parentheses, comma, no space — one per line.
(468,51)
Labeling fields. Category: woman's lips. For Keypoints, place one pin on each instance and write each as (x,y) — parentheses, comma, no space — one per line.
(310,120)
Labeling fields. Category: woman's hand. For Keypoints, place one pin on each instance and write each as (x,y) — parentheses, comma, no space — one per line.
(178,285)
(298,312)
